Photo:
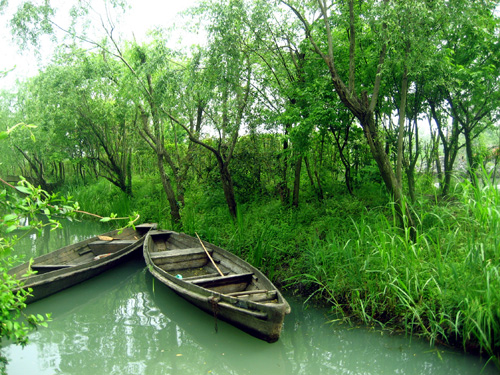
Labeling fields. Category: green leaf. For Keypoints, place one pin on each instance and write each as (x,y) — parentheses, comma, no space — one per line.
(11,229)
(105,219)
(23,189)
(3,135)
(10,217)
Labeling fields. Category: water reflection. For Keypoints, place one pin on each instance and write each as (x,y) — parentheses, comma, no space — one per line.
(123,322)
(36,244)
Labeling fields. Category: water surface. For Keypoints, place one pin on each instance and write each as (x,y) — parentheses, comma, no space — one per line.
(125,322)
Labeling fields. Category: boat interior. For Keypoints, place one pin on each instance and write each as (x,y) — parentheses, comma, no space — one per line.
(94,250)
(206,268)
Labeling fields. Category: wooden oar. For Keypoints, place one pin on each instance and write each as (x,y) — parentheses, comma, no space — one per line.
(209,256)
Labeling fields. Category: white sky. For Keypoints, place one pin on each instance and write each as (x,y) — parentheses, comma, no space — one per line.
(144,15)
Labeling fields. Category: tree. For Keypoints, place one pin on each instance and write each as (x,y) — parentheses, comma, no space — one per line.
(82,117)
(462,91)
(378,33)
(228,74)
(472,57)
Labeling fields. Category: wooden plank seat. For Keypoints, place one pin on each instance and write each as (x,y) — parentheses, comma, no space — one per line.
(180,253)
(247,292)
(102,247)
(256,295)
(179,259)
(201,277)
(216,281)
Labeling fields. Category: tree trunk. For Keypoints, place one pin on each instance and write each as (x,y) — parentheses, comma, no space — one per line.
(227,186)
(167,187)
(402,118)
(129,175)
(343,158)
(471,160)
(411,164)
(312,176)
(321,195)
(37,167)
(450,148)
(317,190)
(283,189)
(296,182)
(497,154)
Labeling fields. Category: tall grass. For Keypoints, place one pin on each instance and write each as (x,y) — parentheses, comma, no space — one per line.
(443,285)
(101,198)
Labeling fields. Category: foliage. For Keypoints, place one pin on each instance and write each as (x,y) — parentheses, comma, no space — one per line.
(29,208)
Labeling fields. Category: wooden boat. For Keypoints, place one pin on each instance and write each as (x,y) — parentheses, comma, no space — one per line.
(75,263)
(241,296)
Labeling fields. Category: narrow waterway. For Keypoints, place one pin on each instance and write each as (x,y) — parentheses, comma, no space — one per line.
(123,322)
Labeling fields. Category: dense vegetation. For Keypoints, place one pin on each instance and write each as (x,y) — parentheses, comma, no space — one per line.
(347,148)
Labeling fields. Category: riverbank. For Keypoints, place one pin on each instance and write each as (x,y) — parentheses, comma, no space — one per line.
(347,253)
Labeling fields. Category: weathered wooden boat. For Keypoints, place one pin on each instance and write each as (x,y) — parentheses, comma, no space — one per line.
(75,263)
(216,281)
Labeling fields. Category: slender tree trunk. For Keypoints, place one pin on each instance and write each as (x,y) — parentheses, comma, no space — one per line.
(321,195)
(471,160)
(283,189)
(437,160)
(296,183)
(129,175)
(411,162)
(497,155)
(402,118)
(450,148)
(312,176)
(36,167)
(227,186)
(343,158)
(62,171)
(167,187)
(309,173)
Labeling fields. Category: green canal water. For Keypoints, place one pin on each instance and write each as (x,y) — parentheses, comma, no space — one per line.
(123,322)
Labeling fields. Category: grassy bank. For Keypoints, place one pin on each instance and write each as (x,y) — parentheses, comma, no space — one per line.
(346,252)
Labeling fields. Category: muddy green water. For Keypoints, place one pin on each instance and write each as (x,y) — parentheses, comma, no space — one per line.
(123,322)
